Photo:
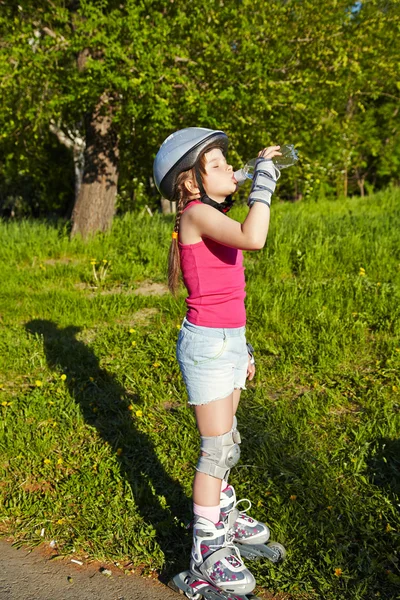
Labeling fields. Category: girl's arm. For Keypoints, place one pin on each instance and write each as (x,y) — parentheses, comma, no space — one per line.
(249,235)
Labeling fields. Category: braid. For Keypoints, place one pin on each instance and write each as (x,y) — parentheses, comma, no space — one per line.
(182,200)
(174,263)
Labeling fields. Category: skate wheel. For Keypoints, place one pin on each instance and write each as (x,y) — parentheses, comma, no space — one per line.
(279,550)
(173,585)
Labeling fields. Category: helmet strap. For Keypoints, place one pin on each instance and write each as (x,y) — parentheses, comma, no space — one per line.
(224,206)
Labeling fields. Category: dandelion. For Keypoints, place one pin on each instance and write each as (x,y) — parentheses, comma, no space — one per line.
(394,388)
(156,365)
(133,344)
(397,349)
(38,383)
(139,413)
(60,461)
(130,407)
(51,402)
(93,262)
(378,284)
(63,377)
(178,326)
(293,497)
(47,461)
(132,330)
(338,572)
(329,507)
(105,261)
(91,379)
(4,403)
(60,521)
(119,451)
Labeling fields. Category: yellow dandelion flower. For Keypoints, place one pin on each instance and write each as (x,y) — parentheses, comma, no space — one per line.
(378,284)
(329,507)
(132,330)
(38,383)
(60,461)
(47,461)
(156,365)
(60,521)
(362,269)
(91,378)
(338,572)
(397,349)
(133,344)
(293,497)
(4,403)
(178,326)
(394,388)
(119,451)
(105,260)
(51,402)
(93,262)
(63,377)
(388,528)
(130,407)
(362,273)
(139,413)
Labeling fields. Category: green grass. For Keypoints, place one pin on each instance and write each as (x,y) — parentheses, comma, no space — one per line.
(98,446)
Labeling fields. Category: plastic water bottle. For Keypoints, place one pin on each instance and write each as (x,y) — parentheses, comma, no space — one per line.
(289,158)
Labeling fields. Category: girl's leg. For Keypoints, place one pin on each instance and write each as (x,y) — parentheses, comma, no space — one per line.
(213,419)
(236,399)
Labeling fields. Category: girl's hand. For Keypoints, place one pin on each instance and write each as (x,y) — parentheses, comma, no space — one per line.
(251,370)
(270,152)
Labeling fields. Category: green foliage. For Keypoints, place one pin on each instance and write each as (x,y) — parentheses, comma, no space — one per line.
(92,398)
(322,76)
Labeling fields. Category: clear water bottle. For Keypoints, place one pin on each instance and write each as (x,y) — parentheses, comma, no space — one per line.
(289,158)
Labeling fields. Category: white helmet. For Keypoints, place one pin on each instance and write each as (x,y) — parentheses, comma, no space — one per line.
(179,152)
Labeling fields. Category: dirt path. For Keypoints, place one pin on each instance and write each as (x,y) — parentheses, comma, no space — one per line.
(31,575)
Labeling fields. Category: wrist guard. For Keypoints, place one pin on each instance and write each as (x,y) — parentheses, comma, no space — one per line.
(264,182)
(250,352)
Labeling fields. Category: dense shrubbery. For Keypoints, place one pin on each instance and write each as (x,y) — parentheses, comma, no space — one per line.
(323,76)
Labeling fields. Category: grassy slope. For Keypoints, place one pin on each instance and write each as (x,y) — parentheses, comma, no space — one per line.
(93,402)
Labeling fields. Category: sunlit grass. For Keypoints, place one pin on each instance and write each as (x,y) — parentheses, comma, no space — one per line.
(98,447)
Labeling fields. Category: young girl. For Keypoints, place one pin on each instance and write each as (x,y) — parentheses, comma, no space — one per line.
(191,168)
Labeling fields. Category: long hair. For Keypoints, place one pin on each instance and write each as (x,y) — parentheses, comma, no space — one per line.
(182,199)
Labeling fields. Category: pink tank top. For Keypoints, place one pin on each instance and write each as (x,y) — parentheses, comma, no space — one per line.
(214,277)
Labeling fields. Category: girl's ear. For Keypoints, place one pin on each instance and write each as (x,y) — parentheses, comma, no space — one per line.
(191,186)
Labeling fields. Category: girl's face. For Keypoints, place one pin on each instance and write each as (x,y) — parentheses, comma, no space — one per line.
(218,180)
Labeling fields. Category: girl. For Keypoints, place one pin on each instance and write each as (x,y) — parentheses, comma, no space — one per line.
(191,168)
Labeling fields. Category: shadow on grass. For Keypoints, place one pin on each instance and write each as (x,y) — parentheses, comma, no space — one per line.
(385,465)
(138,462)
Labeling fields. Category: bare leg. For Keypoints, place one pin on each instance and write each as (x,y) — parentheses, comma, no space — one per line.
(236,398)
(212,419)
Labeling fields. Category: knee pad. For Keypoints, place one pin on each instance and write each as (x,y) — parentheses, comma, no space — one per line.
(222,452)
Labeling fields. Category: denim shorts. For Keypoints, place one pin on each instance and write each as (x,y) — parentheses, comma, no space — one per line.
(213,361)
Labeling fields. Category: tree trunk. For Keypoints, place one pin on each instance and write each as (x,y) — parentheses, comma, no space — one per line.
(167,206)
(95,205)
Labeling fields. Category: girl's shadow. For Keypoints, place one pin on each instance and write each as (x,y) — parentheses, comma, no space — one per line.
(104,405)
